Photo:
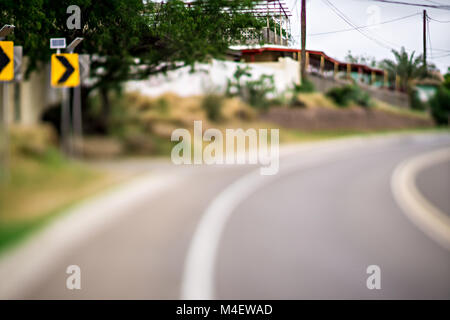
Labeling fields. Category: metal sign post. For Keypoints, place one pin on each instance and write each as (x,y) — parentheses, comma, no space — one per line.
(77,116)
(65,74)
(6,75)
(4,174)
(65,122)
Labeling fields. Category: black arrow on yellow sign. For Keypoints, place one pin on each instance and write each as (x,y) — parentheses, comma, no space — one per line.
(4,60)
(69,69)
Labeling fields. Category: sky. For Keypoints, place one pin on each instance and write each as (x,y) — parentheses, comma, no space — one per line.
(379,40)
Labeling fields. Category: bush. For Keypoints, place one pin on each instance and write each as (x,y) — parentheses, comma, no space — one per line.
(212,104)
(34,140)
(254,92)
(440,106)
(345,95)
(258,91)
(414,101)
(306,86)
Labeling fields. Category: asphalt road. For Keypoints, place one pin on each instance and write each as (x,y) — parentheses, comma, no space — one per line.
(309,232)
(434,184)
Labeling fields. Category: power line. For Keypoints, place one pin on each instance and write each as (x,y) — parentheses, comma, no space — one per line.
(429,35)
(443,50)
(440,56)
(347,20)
(440,21)
(434,2)
(444,7)
(366,26)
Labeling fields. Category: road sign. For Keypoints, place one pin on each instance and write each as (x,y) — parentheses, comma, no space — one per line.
(6,60)
(65,70)
(18,52)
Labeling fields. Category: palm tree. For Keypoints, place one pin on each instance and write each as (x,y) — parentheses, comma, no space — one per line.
(407,67)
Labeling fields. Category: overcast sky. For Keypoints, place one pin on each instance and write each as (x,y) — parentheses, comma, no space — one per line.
(406,32)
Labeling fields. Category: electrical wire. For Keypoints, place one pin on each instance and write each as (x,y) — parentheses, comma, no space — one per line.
(429,34)
(440,21)
(347,20)
(444,7)
(366,26)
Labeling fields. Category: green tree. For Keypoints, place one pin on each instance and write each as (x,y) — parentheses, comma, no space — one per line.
(130,39)
(406,66)
(361,59)
(446,83)
(440,102)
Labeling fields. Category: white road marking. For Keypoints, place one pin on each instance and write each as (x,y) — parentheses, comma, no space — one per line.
(199,266)
(428,218)
(199,269)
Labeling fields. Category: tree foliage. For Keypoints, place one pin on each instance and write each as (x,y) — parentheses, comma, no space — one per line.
(407,66)
(440,102)
(361,59)
(130,38)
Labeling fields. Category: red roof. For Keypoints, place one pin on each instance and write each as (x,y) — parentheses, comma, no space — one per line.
(321,53)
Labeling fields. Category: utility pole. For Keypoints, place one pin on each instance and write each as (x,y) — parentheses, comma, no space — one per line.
(425,40)
(303,40)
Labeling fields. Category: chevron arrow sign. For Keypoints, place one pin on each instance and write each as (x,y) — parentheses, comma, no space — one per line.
(6,60)
(65,70)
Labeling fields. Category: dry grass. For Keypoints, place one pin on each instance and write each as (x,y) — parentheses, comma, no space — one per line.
(401,111)
(315,100)
(37,187)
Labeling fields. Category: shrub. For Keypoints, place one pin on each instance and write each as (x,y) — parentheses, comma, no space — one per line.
(361,97)
(414,101)
(342,96)
(212,104)
(258,91)
(34,140)
(254,92)
(440,106)
(306,86)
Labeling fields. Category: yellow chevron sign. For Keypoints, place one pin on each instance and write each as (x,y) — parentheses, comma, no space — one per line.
(65,70)
(6,60)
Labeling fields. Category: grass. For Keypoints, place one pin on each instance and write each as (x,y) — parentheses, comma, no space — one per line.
(316,99)
(288,136)
(303,136)
(400,111)
(39,188)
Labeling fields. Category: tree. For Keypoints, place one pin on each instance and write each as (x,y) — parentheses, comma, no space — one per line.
(130,39)
(406,66)
(440,102)
(361,59)
(446,83)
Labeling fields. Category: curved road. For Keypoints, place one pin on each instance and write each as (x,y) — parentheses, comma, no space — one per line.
(309,232)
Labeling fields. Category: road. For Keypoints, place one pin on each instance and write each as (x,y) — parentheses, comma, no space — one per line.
(308,232)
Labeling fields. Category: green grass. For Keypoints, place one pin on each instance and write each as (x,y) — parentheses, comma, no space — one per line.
(303,136)
(401,111)
(38,189)
(13,232)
